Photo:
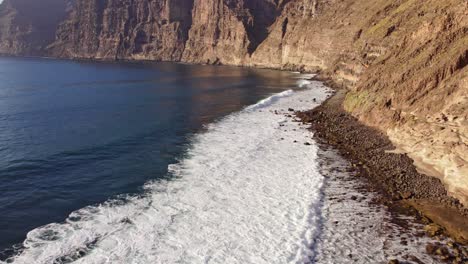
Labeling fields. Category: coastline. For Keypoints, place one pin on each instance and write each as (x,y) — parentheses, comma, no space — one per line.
(393,175)
(230,198)
(402,188)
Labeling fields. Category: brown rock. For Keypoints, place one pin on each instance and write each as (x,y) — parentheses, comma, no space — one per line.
(406,195)
(442,251)
(431,248)
(433,229)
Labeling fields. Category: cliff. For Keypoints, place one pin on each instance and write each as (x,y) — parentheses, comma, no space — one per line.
(417,90)
(27,27)
(227,32)
(403,61)
(199,31)
(116,29)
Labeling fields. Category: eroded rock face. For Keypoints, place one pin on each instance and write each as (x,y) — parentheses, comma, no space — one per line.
(28,26)
(404,61)
(228,31)
(125,29)
(417,90)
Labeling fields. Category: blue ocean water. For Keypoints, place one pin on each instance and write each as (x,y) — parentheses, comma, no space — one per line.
(74,134)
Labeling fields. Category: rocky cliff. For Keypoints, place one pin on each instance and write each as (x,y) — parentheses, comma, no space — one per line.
(132,29)
(200,31)
(27,27)
(417,89)
(227,32)
(403,61)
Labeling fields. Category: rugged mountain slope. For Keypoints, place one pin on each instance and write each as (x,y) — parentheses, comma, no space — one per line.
(190,30)
(28,26)
(404,61)
(417,90)
(228,31)
(132,29)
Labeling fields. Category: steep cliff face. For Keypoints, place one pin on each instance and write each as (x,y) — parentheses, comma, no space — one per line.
(404,61)
(323,35)
(28,26)
(228,31)
(131,29)
(417,90)
(297,40)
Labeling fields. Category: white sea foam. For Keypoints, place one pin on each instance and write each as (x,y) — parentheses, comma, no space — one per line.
(306,76)
(245,193)
(303,83)
(304,79)
(270,100)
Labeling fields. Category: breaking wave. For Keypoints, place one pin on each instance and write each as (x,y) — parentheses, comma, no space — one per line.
(247,191)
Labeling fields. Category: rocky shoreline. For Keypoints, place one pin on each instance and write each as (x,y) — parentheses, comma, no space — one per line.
(393,175)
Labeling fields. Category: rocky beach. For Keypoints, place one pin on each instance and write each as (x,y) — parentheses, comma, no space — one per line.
(401,188)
